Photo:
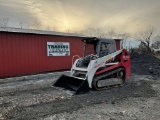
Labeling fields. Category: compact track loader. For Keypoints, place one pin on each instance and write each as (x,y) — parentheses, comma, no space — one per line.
(105,68)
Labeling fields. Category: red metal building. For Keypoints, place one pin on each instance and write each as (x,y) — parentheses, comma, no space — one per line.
(24,52)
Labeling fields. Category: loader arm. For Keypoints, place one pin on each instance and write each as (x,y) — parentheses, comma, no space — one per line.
(98,63)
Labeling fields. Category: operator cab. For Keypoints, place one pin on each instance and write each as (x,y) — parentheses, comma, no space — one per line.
(105,47)
(100,47)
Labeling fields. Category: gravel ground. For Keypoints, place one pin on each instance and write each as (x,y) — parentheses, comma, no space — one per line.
(32,97)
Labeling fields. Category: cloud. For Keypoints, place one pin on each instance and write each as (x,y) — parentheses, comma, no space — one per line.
(123,15)
(25,11)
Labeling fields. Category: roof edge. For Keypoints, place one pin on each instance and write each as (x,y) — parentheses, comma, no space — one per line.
(41,32)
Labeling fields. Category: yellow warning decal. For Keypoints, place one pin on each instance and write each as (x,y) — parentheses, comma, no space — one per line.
(109,58)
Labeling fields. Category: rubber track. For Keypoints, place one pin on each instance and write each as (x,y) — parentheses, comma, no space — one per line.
(99,77)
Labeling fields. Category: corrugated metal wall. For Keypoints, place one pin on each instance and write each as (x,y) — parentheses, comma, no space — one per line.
(22,54)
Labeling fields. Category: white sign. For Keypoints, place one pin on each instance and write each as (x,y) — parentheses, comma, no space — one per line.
(58,49)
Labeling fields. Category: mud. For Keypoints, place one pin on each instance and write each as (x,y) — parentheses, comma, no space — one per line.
(46,102)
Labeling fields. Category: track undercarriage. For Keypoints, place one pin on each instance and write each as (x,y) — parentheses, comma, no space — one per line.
(109,79)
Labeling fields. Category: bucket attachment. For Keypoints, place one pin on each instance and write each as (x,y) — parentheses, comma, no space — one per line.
(75,85)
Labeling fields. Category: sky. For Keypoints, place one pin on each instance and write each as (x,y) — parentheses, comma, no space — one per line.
(124,16)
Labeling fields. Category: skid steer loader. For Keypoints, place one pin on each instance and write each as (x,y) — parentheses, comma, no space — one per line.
(105,68)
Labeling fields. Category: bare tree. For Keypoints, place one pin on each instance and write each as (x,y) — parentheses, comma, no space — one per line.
(146,37)
(156,44)
(48,28)
(111,33)
(68,31)
(93,32)
(124,38)
(4,22)
(36,25)
(129,47)
(21,25)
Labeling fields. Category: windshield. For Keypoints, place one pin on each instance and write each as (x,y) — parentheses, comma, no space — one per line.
(106,48)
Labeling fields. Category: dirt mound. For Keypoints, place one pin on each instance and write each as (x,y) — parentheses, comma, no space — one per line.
(144,64)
